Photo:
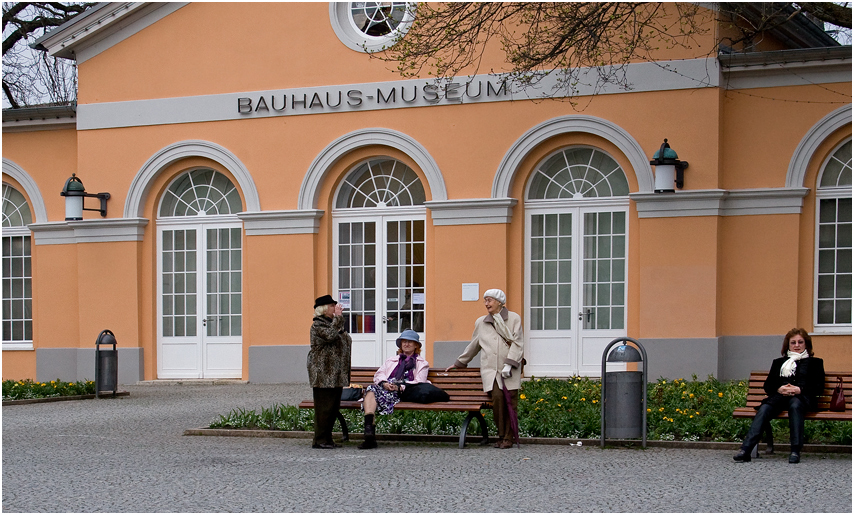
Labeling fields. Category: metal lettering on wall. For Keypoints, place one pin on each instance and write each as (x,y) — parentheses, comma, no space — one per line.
(382,97)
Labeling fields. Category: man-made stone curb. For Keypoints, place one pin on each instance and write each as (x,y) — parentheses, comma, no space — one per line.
(14,402)
(268,433)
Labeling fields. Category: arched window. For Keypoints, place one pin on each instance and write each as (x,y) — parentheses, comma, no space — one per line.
(833,242)
(17,271)
(199,193)
(200,277)
(379,233)
(381,182)
(578,173)
(576,260)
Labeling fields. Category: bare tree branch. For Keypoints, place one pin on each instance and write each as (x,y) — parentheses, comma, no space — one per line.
(28,77)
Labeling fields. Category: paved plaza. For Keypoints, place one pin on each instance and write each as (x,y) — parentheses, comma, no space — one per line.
(129,455)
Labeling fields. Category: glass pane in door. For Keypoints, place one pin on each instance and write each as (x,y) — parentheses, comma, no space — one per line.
(551,272)
(604,281)
(357,269)
(405,293)
(224,282)
(179,283)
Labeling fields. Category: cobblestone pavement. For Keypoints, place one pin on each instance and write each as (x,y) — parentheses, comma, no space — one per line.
(128,455)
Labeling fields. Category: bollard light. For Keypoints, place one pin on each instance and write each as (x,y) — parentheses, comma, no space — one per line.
(74,193)
(669,170)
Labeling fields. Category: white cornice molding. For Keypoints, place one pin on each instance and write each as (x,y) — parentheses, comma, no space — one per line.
(759,201)
(471,211)
(300,221)
(89,231)
(103,26)
(786,68)
(764,201)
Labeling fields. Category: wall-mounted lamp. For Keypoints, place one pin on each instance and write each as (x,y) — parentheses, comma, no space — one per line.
(74,193)
(669,170)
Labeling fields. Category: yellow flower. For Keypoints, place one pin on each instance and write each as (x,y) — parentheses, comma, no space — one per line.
(660,409)
(649,410)
(522,396)
(720,394)
(564,397)
(595,401)
(692,416)
(691,395)
(583,399)
(697,412)
(671,420)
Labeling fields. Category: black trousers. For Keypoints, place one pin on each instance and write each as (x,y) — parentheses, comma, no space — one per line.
(796,406)
(327,402)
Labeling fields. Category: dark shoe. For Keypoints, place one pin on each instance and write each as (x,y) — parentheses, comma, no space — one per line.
(323,446)
(742,456)
(369,443)
(370,432)
(795,457)
(505,444)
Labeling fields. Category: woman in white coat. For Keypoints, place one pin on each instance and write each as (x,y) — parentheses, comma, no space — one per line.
(498,337)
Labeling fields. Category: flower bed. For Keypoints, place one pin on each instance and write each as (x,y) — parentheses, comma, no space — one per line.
(570,408)
(29,389)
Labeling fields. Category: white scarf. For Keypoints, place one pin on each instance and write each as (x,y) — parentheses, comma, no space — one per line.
(788,368)
(502,329)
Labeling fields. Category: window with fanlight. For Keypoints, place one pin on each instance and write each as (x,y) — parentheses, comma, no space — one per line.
(833,243)
(17,271)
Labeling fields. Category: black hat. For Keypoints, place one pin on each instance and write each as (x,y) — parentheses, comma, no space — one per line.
(324,301)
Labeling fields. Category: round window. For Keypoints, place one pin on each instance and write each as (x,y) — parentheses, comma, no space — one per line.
(370,26)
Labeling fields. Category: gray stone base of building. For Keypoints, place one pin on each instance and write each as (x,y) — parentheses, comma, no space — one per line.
(725,357)
(79,365)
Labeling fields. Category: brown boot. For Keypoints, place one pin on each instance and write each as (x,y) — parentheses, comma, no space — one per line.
(370,434)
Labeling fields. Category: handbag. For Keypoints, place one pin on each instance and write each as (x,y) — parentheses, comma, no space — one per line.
(351,394)
(424,393)
(837,399)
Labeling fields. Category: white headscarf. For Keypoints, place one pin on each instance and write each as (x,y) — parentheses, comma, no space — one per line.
(788,368)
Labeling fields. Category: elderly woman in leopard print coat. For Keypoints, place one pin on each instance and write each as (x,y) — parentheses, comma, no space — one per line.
(328,367)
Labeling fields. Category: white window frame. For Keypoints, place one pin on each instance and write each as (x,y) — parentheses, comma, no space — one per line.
(342,23)
(17,232)
(826,193)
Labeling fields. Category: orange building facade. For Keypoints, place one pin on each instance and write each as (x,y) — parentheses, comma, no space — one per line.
(256,158)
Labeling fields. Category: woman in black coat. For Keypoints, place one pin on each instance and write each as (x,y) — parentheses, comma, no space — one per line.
(328,367)
(793,383)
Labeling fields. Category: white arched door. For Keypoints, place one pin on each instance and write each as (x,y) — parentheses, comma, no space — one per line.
(379,259)
(200,280)
(576,261)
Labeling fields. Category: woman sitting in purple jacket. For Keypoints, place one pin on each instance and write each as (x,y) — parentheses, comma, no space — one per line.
(407,367)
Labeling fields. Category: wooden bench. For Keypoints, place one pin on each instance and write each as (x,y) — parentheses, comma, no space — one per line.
(463,385)
(755,394)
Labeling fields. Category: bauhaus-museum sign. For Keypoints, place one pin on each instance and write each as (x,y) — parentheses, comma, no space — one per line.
(667,75)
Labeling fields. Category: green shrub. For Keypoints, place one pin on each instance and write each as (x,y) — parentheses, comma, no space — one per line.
(571,408)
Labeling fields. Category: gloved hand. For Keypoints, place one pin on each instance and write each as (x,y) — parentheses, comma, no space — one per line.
(505,372)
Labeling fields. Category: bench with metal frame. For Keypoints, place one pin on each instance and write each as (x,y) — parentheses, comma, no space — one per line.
(756,392)
(463,385)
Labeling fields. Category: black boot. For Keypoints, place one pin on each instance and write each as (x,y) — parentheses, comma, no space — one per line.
(370,434)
